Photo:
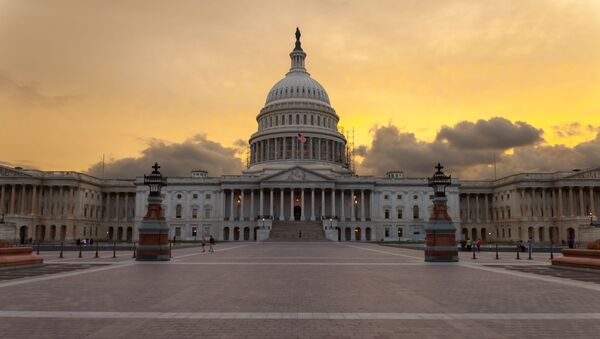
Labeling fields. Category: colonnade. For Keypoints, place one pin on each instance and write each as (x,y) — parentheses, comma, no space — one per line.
(296,203)
(283,148)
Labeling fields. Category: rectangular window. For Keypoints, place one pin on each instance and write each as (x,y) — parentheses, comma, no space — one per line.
(387,232)
(194,231)
(194,213)
(399,213)
(400,232)
(399,196)
(195,196)
(207,213)
(386,214)
(207,196)
(386,197)
(178,232)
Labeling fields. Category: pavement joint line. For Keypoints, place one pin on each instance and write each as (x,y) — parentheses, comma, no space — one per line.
(304,263)
(379,251)
(216,251)
(557,280)
(296,315)
(62,275)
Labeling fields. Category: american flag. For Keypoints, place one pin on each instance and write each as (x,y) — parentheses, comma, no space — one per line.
(301,138)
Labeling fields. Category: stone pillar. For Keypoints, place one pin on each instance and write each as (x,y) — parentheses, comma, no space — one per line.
(322,202)
(487,208)
(352,206)
(283,146)
(231,208)
(371,193)
(271,212)
(22,204)
(72,198)
(543,202)
(2,198)
(252,205)
(107,216)
(343,211)
(560,202)
(333,202)
(571,204)
(118,207)
(126,206)
(261,203)
(592,207)
(312,203)
(302,204)
(33,199)
(362,206)
(291,204)
(477,216)
(581,206)
(281,210)
(242,205)
(468,209)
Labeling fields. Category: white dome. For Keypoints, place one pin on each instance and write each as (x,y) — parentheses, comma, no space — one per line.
(297,85)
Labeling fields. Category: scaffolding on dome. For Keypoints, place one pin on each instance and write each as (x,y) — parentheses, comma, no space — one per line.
(349,135)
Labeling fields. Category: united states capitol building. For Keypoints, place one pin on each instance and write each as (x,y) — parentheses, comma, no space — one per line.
(299,185)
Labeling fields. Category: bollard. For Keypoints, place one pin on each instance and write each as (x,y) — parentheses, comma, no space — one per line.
(61,250)
(551,254)
(170,256)
(497,252)
(80,250)
(518,250)
(114,249)
(38,247)
(474,257)
(134,254)
(96,256)
(530,249)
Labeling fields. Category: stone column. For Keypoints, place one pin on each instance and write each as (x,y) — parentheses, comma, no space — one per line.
(543,201)
(581,206)
(242,205)
(343,211)
(312,204)
(281,211)
(22,203)
(283,146)
(276,151)
(293,150)
(468,209)
(362,206)
(571,203)
(252,205)
(126,206)
(371,193)
(271,212)
(352,212)
(72,203)
(231,208)
(2,197)
(322,202)
(592,207)
(118,207)
(333,202)
(477,215)
(107,207)
(291,204)
(33,199)
(261,203)
(560,202)
(487,208)
(302,204)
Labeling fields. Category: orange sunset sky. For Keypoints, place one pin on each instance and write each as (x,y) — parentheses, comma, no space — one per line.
(79,79)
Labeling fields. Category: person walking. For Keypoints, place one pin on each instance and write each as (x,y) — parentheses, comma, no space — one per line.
(469,243)
(211,242)
(530,247)
(478,244)
(203,246)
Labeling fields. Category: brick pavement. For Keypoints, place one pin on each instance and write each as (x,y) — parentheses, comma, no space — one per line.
(243,281)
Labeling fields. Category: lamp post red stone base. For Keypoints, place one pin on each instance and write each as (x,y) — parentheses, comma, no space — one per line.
(153,244)
(440,231)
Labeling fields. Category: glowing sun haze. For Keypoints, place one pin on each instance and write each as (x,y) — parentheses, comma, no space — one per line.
(83,78)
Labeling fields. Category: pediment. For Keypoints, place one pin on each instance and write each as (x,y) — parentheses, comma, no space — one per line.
(297,174)
(589,174)
(9,172)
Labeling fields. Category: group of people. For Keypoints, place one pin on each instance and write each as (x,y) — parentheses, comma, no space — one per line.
(84,242)
(211,243)
(469,244)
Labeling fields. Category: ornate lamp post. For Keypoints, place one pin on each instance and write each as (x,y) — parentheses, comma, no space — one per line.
(441,233)
(153,230)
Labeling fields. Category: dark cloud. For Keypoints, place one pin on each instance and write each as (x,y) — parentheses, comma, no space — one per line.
(176,159)
(574,129)
(392,149)
(493,134)
(29,93)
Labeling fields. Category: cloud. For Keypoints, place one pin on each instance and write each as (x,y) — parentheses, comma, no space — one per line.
(176,159)
(574,129)
(29,93)
(494,134)
(392,149)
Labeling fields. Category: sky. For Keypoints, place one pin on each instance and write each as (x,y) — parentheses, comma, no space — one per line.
(418,81)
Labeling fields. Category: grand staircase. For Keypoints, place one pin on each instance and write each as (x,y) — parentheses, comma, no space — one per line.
(290,231)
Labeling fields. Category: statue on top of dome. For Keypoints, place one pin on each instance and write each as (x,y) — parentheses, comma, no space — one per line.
(298,34)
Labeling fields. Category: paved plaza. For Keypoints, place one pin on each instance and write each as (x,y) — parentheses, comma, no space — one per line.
(283,290)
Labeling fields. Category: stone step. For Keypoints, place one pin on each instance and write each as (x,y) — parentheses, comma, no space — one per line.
(290,231)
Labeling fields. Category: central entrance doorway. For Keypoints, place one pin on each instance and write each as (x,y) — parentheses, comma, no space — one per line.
(297,212)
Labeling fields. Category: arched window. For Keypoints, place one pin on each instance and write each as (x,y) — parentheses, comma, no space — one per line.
(312,119)
(297,119)
(415,212)
(178,211)
(304,119)
(318,120)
